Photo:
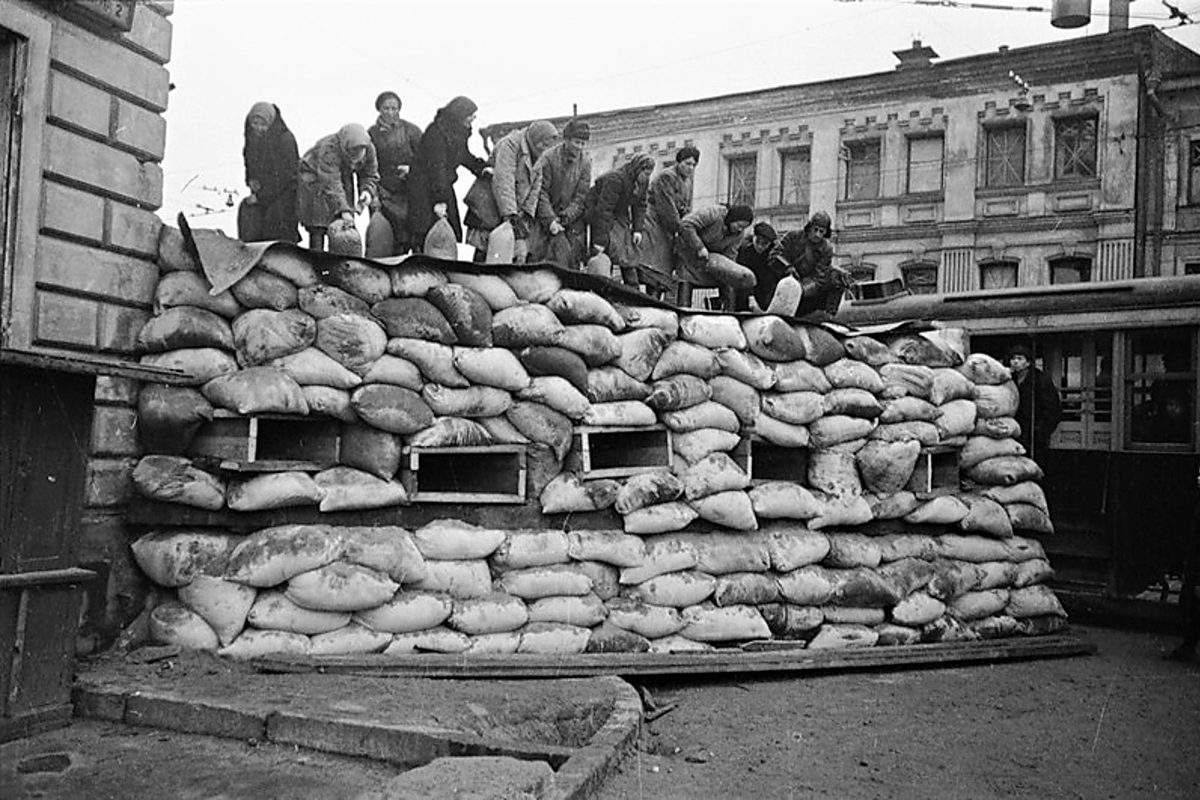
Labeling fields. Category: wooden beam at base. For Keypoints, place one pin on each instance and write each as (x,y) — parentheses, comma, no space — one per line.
(730,661)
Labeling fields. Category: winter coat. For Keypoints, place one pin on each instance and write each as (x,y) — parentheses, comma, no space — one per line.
(565,184)
(705,227)
(516,185)
(670,199)
(395,145)
(442,150)
(823,284)
(615,200)
(326,188)
(1038,412)
(272,161)
(767,272)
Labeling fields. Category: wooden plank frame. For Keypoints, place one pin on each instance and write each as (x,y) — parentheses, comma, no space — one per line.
(638,449)
(268,442)
(477,474)
(936,472)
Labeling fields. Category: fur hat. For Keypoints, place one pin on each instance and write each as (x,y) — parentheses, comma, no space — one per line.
(739,214)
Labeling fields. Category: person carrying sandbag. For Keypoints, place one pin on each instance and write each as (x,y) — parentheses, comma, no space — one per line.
(395,141)
(616,213)
(272,160)
(559,233)
(807,258)
(326,197)
(708,242)
(668,202)
(516,187)
(442,150)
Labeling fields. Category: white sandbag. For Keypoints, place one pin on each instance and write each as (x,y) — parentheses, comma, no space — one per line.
(976,549)
(849,550)
(329,402)
(491,366)
(434,640)
(175,623)
(638,317)
(502,431)
(716,472)
(953,579)
(455,540)
(254,643)
(351,339)
(497,644)
(260,335)
(709,414)
(605,578)
(494,613)
(712,331)
(892,506)
(261,289)
(978,604)
(918,609)
(985,516)
(720,553)
(173,479)
(836,429)
(348,489)
(783,500)
(621,413)
(522,549)
(472,401)
(413,280)
(709,623)
(847,373)
(272,610)
(839,637)
(741,398)
(526,325)
(807,586)
(201,363)
(663,555)
(844,510)
(610,547)
(271,556)
(833,472)
(778,432)
(557,393)
(392,369)
(647,489)
(192,289)
(1005,471)
(577,307)
(729,509)
(351,639)
(459,579)
(800,376)
(553,638)
(660,518)
(496,291)
(676,589)
(797,408)
(532,286)
(772,339)
(434,360)
(595,344)
(686,358)
(273,490)
(983,370)
(640,350)
(651,621)
(896,546)
(679,644)
(997,427)
(948,384)
(340,586)
(793,547)
(222,603)
(174,557)
(886,467)
(943,510)
(534,583)
(908,408)
(257,390)
(451,432)
(980,448)
(388,549)
(567,493)
(407,611)
(1033,571)
(1023,492)
(997,574)
(746,367)
(997,402)
(914,430)
(542,424)
(584,610)
(695,444)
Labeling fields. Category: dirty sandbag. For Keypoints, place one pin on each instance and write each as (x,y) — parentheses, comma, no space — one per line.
(440,241)
(467,312)
(175,623)
(501,244)
(175,557)
(184,326)
(391,408)
(452,432)
(223,604)
(387,548)
(346,489)
(712,331)
(340,586)
(261,335)
(576,307)
(173,479)
(261,289)
(192,289)
(169,416)
(786,299)
(370,449)
(312,367)
(532,285)
(257,390)
(344,239)
(408,611)
(553,638)
(596,344)
(273,490)
(526,325)
(271,556)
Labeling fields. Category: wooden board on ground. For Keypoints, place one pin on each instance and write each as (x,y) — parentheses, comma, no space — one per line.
(730,661)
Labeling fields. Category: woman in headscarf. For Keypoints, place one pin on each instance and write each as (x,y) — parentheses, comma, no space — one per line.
(395,141)
(327,176)
(271,159)
(616,212)
(443,149)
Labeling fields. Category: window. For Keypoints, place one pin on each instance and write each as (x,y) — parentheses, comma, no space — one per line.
(1005,156)
(795,172)
(862,170)
(1075,148)
(742,172)
(1070,269)
(920,278)
(862,272)
(1191,268)
(1159,387)
(1080,365)
(1194,172)
(925,164)
(998,275)
(9,81)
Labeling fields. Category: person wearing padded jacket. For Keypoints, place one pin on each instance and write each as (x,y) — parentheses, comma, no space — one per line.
(443,149)
(616,212)
(328,173)
(272,162)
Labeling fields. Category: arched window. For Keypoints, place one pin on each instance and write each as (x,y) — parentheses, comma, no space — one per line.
(1070,269)
(998,273)
(920,277)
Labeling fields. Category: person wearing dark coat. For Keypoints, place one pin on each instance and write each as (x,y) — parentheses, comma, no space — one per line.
(615,211)
(272,161)
(714,230)
(1039,408)
(442,150)
(395,141)
(560,233)
(328,174)
(808,256)
(669,200)
(755,255)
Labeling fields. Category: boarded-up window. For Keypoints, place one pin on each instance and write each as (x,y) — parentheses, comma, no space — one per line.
(1005,156)
(795,173)
(1075,148)
(998,275)
(920,278)
(742,173)
(1071,269)
(925,164)
(862,170)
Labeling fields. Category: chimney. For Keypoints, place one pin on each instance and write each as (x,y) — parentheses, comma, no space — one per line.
(1118,15)
(916,57)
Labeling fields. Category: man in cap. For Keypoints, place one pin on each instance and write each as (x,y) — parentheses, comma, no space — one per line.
(755,254)
(808,255)
(559,232)
(707,244)
(516,185)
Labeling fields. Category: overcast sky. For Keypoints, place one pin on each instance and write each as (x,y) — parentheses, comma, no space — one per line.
(324,62)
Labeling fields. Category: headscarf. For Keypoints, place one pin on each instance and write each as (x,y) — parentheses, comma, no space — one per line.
(541,134)
(577,129)
(352,135)
(638,164)
(457,110)
(739,213)
(264,111)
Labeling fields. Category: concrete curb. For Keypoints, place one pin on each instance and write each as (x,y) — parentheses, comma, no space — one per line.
(579,772)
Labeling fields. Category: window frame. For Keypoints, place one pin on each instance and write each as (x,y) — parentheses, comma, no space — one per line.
(1192,165)
(1086,266)
(1012,263)
(941,163)
(1124,390)
(1061,141)
(987,162)
(786,156)
(874,144)
(921,267)
(731,163)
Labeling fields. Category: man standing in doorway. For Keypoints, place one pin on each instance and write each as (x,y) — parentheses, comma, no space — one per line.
(1039,410)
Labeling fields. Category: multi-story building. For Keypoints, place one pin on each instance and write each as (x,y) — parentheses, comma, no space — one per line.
(1046,194)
